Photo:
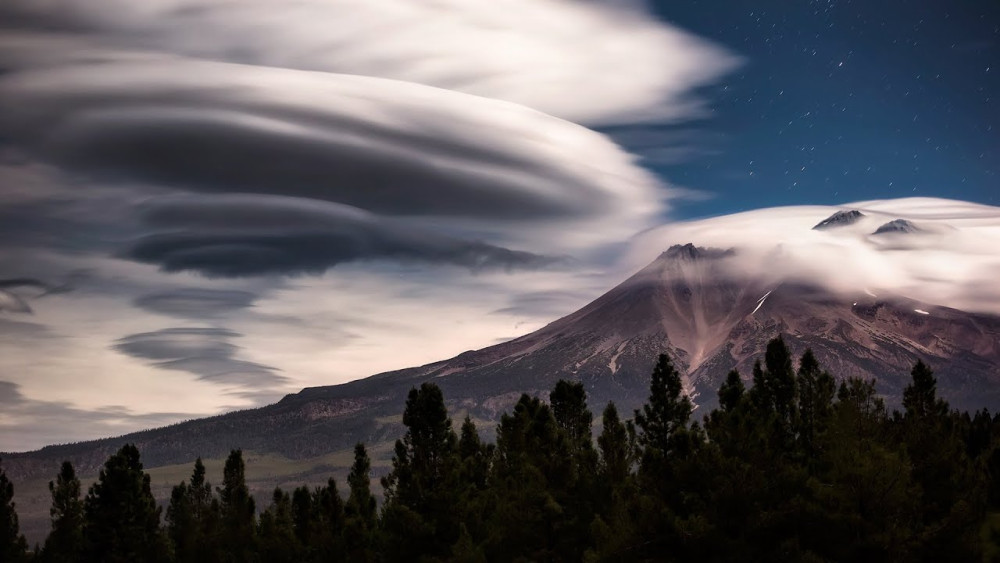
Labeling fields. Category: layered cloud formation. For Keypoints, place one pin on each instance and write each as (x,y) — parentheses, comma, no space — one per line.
(949,257)
(598,61)
(220,202)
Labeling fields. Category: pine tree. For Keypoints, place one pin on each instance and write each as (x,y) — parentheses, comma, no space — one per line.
(193,519)
(531,464)
(816,392)
(304,515)
(569,407)
(920,396)
(326,538)
(616,455)
(577,494)
(237,509)
(781,383)
(418,516)
(13,546)
(732,392)
(277,541)
(662,421)
(360,511)
(122,519)
(473,483)
(65,540)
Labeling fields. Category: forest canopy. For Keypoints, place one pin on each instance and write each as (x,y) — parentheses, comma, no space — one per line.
(794,467)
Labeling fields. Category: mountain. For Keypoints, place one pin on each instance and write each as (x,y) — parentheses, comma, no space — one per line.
(690,302)
(840,219)
(897,226)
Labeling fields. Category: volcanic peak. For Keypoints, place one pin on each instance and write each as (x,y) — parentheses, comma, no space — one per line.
(840,219)
(897,226)
(691,252)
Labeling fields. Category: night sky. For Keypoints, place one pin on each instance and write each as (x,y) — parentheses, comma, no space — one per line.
(842,101)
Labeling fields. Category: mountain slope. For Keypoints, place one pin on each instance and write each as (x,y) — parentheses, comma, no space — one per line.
(688,303)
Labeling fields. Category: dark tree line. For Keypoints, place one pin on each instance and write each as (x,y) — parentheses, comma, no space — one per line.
(793,468)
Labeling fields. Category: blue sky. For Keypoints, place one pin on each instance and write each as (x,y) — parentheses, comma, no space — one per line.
(842,101)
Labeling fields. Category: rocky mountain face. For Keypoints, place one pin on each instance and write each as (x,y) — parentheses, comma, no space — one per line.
(840,219)
(690,302)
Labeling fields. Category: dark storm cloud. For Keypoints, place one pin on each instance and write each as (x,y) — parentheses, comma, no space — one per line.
(243,235)
(205,352)
(385,146)
(195,302)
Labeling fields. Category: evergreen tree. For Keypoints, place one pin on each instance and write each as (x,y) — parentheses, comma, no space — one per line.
(473,482)
(732,392)
(780,380)
(662,421)
(816,393)
(569,407)
(532,464)
(952,498)
(277,541)
(13,546)
(577,494)
(64,543)
(418,517)
(616,455)
(304,515)
(193,518)
(237,508)
(920,396)
(326,538)
(359,513)
(474,455)
(122,519)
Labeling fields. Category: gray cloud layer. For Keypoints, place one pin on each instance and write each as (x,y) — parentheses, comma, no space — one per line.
(243,235)
(195,302)
(385,146)
(205,352)
(11,301)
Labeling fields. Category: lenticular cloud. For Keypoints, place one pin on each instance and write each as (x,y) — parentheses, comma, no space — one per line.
(949,257)
(591,62)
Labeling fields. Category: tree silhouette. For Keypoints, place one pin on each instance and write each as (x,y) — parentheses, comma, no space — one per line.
(237,509)
(13,546)
(65,540)
(122,519)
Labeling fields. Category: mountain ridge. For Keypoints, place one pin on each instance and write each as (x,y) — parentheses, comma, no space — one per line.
(690,302)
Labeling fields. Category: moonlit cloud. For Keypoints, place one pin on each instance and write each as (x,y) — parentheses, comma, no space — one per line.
(951,261)
(195,302)
(597,61)
(229,201)
(241,235)
(384,146)
(205,352)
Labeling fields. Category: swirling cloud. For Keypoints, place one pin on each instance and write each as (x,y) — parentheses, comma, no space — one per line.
(595,62)
(951,260)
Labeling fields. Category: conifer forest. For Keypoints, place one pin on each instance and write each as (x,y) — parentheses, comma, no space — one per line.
(793,467)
